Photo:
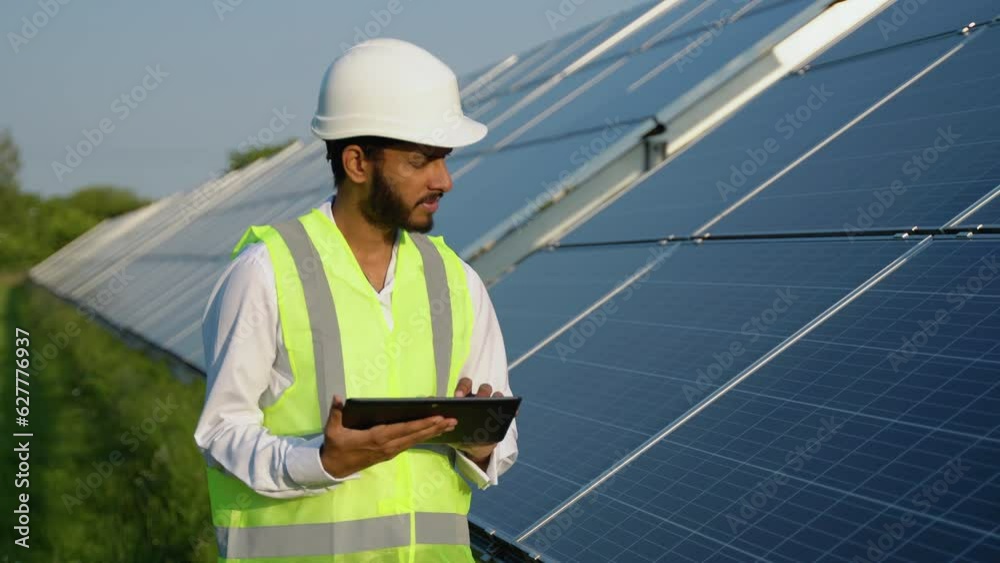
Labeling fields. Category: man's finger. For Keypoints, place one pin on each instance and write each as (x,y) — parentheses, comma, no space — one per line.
(464,387)
(391,432)
(497,394)
(336,412)
(410,440)
(484,390)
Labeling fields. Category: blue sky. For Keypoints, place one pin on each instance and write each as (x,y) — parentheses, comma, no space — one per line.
(213,74)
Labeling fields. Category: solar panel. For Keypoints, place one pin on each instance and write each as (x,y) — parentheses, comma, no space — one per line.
(550,288)
(183,269)
(702,182)
(924,156)
(548,63)
(497,69)
(489,99)
(168,263)
(617,376)
(158,223)
(79,282)
(68,259)
(874,438)
(652,66)
(911,20)
(589,110)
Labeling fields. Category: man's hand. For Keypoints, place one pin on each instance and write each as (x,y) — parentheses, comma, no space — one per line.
(346,451)
(478,453)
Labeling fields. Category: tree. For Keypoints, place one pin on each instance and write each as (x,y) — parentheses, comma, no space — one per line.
(34,227)
(104,201)
(10,160)
(242,158)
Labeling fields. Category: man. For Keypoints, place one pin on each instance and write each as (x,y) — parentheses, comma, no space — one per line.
(353,300)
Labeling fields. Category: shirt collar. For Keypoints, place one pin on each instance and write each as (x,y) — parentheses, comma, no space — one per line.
(327,208)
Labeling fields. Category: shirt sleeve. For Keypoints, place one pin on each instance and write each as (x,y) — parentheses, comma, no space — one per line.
(240,334)
(487,363)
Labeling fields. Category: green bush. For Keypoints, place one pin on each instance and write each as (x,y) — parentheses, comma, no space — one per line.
(242,158)
(101,201)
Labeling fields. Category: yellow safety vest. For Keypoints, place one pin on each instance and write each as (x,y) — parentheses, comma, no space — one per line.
(410,509)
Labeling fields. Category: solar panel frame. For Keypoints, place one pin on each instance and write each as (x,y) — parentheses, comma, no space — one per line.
(986,212)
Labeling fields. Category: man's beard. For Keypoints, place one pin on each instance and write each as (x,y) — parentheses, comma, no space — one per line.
(383,208)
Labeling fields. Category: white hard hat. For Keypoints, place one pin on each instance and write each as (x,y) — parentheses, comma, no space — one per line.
(391,88)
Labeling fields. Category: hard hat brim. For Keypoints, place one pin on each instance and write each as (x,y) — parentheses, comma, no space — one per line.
(451,133)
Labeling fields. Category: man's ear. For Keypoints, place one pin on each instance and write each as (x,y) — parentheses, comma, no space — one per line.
(356,167)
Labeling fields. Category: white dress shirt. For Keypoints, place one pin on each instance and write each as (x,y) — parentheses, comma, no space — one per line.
(250,371)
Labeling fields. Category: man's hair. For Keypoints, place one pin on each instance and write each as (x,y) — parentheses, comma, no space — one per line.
(370,145)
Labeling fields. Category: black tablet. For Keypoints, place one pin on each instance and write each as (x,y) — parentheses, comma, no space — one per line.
(481,420)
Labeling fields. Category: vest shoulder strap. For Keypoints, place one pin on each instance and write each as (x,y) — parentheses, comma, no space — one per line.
(439,295)
(321,311)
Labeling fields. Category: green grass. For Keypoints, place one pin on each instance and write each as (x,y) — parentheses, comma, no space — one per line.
(108,481)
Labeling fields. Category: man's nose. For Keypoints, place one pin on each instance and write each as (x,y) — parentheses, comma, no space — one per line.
(440,178)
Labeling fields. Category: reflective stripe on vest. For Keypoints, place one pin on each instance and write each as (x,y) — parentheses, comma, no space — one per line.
(329,360)
(321,311)
(341,537)
(440,301)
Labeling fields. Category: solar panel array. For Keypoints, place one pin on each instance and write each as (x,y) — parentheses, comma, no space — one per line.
(595,106)
(782,344)
(791,389)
